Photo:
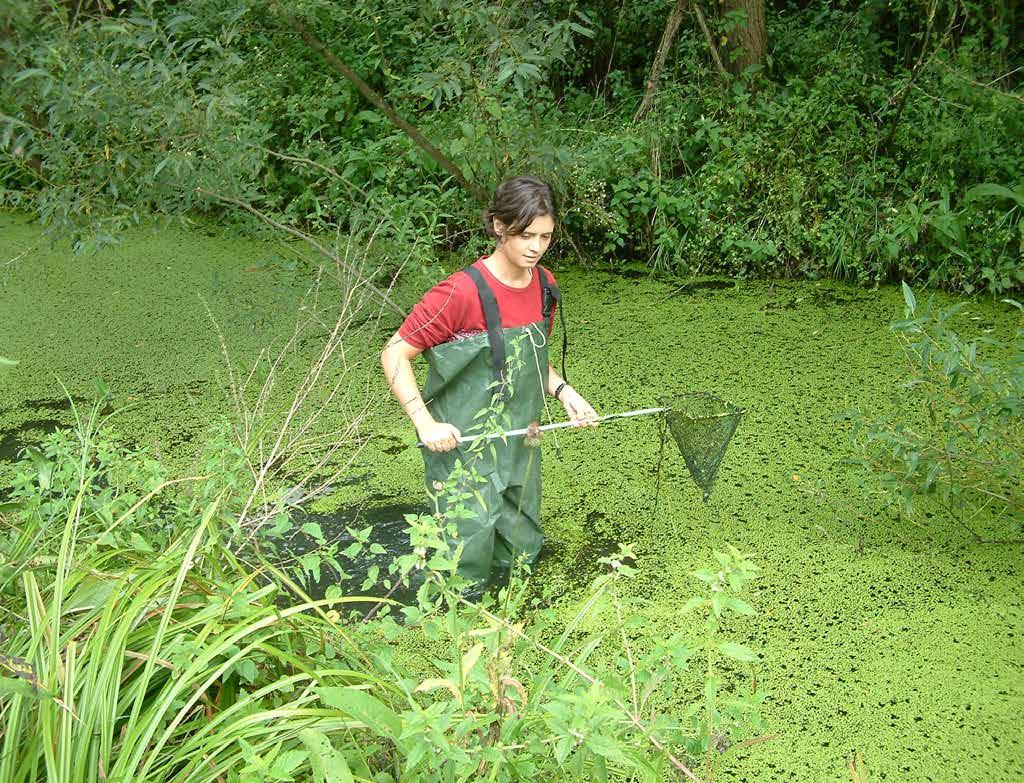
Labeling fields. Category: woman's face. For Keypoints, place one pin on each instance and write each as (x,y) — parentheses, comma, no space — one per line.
(524,250)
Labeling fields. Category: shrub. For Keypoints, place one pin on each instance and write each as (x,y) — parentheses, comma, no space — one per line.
(965,399)
(826,162)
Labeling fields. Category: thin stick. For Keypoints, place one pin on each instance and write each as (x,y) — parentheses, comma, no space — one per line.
(373,97)
(710,40)
(556,426)
(307,238)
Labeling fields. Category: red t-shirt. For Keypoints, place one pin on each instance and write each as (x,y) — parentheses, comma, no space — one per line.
(452,310)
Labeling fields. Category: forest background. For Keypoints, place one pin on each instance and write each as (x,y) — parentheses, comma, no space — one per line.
(866,141)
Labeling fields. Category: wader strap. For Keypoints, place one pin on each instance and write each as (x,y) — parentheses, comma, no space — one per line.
(551,295)
(493,319)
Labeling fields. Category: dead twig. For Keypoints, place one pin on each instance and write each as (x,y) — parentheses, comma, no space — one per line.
(306,238)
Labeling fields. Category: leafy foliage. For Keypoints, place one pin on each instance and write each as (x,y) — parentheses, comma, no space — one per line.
(117,118)
(876,142)
(966,401)
(186,656)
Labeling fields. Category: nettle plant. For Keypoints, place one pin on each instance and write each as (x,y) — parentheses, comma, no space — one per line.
(962,439)
(512,694)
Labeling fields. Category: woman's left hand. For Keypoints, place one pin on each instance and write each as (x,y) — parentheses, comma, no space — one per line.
(580,412)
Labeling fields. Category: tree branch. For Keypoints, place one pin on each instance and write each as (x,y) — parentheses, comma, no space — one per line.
(711,41)
(373,97)
(668,35)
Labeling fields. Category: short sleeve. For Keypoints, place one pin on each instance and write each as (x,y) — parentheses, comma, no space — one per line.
(436,317)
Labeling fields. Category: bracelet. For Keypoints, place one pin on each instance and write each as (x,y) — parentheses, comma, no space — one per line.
(558,389)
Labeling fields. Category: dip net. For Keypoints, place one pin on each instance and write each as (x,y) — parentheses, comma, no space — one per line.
(702,425)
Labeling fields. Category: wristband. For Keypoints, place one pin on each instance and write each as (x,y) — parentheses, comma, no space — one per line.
(558,390)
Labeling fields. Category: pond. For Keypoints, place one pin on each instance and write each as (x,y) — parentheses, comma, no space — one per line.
(903,641)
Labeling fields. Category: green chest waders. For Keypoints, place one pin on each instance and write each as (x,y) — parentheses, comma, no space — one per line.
(504,502)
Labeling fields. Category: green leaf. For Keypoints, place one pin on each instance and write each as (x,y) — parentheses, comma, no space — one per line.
(312,529)
(736,651)
(91,592)
(141,544)
(737,605)
(371,577)
(5,362)
(247,670)
(11,686)
(470,658)
(909,298)
(28,73)
(286,763)
(43,467)
(563,747)
(329,765)
(992,190)
(352,549)
(282,523)
(716,603)
(705,575)
(608,747)
(366,709)
(505,72)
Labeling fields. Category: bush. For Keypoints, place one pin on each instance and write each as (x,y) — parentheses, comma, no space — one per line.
(965,399)
(826,162)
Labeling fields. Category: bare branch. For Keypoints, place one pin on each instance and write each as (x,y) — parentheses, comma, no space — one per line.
(307,238)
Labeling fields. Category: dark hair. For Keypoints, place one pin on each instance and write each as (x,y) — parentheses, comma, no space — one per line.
(518,201)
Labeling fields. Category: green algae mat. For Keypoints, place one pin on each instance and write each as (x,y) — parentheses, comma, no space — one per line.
(901,642)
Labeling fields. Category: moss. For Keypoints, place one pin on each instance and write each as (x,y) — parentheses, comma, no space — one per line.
(902,642)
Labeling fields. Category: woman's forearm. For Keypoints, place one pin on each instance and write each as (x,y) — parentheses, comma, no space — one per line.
(402,380)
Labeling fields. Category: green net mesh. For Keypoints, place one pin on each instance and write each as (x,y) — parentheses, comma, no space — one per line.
(702,425)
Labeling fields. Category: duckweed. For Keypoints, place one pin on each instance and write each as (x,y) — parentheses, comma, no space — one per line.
(899,640)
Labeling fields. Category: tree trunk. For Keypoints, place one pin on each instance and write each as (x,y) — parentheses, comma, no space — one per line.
(748,41)
(668,35)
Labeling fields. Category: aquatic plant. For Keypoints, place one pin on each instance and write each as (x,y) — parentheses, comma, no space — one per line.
(958,433)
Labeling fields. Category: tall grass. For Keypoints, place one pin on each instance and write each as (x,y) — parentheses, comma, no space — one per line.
(141,667)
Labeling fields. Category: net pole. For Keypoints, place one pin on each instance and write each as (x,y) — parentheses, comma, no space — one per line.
(558,425)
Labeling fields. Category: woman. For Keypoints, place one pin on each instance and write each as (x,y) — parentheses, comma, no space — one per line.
(485,329)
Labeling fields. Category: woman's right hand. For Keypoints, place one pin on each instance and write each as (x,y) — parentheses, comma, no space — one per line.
(439,435)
